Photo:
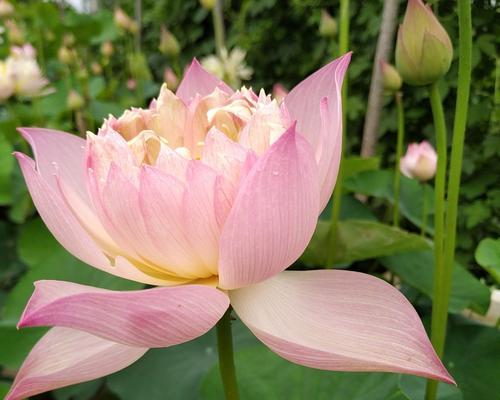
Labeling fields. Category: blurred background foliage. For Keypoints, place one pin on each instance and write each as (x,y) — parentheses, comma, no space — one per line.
(282,44)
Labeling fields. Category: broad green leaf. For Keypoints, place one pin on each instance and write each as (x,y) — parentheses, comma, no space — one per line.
(175,372)
(355,165)
(82,391)
(416,269)
(15,345)
(4,388)
(360,240)
(488,257)
(35,242)
(264,375)
(379,184)
(414,388)
(472,357)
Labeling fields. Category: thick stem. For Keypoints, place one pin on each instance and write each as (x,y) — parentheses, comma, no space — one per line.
(425,210)
(218,26)
(384,47)
(399,152)
(226,358)
(459,125)
(337,194)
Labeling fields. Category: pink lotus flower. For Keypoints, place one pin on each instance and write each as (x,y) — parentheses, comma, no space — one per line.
(419,162)
(209,194)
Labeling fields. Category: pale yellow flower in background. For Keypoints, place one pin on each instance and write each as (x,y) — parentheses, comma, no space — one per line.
(230,66)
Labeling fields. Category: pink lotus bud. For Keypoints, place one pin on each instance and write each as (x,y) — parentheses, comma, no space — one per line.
(327,24)
(419,162)
(170,78)
(96,68)
(423,49)
(168,43)
(75,101)
(107,49)
(390,77)
(279,92)
(6,9)
(122,20)
(131,84)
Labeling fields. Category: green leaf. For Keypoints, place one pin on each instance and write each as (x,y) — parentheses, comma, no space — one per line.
(417,269)
(175,372)
(264,375)
(472,357)
(35,242)
(488,256)
(360,240)
(414,389)
(355,165)
(82,391)
(379,184)
(15,345)
(4,388)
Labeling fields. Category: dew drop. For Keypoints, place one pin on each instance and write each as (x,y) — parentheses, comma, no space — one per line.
(275,173)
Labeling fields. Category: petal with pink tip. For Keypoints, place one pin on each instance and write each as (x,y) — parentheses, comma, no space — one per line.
(56,149)
(68,231)
(340,321)
(320,121)
(64,357)
(273,216)
(158,317)
(198,80)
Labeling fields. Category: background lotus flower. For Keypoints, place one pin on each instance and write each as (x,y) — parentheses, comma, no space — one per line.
(419,162)
(230,66)
(28,78)
(423,49)
(210,194)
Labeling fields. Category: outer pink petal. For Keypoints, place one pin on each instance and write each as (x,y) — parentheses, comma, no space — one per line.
(158,317)
(339,320)
(64,357)
(67,230)
(55,149)
(321,124)
(197,80)
(273,216)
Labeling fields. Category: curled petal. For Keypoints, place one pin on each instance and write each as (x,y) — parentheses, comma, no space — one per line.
(197,80)
(340,321)
(320,121)
(273,216)
(64,357)
(158,317)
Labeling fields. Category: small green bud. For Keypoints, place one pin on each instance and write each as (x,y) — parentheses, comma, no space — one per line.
(75,101)
(390,77)
(168,43)
(327,24)
(423,49)
(208,4)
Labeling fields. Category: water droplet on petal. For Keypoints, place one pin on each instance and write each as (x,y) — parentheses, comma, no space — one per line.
(275,173)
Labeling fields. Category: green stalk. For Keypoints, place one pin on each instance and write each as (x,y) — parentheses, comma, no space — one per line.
(398,96)
(439,201)
(337,194)
(218,26)
(226,358)
(459,125)
(425,210)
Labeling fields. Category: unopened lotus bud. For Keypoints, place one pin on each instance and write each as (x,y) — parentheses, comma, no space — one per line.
(66,56)
(82,73)
(14,33)
(390,77)
(168,43)
(208,4)
(131,84)
(327,24)
(107,49)
(122,20)
(69,39)
(96,68)
(6,9)
(419,162)
(75,101)
(423,49)
(279,92)
(170,78)
(49,35)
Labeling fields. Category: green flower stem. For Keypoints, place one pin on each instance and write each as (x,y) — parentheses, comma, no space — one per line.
(439,201)
(337,194)
(425,210)
(398,96)
(226,359)
(459,125)
(218,22)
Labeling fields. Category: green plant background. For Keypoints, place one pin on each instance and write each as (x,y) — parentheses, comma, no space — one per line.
(283,45)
